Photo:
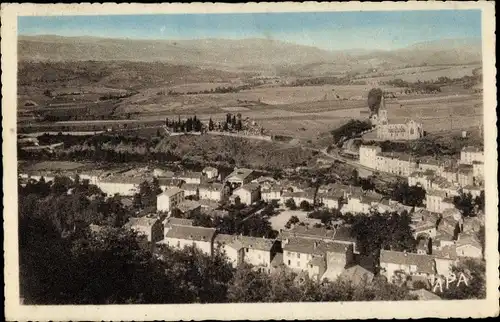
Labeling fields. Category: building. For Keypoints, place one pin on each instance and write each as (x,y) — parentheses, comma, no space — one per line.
(340,235)
(421,179)
(469,246)
(410,130)
(190,177)
(368,155)
(240,176)
(169,199)
(331,199)
(465,175)
(211,191)
(361,203)
(400,164)
(169,183)
(190,189)
(124,186)
(478,171)
(248,193)
(397,266)
(298,197)
(179,237)
(430,164)
(172,221)
(160,173)
(256,251)
(149,226)
(316,257)
(271,193)
(437,201)
(210,172)
(469,154)
(189,208)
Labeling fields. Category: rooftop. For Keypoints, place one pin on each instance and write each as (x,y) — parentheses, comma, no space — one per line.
(211,186)
(424,263)
(310,246)
(146,221)
(189,186)
(191,233)
(171,192)
(178,221)
(357,275)
(240,174)
(188,205)
(188,174)
(123,180)
(240,241)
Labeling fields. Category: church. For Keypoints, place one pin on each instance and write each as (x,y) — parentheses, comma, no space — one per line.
(410,130)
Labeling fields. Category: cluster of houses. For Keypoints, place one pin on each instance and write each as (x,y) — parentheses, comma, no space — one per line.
(442,233)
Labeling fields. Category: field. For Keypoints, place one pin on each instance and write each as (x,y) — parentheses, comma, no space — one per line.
(303,112)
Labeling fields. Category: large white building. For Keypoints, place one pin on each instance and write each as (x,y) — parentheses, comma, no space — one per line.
(169,199)
(470,154)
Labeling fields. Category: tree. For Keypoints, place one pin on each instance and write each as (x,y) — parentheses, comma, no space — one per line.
(374,99)
(292,221)
(479,201)
(465,203)
(410,196)
(474,286)
(304,205)
(290,204)
(210,125)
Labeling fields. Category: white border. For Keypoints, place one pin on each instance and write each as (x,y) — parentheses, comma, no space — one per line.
(445,309)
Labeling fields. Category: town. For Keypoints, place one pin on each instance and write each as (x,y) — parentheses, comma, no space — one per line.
(315,229)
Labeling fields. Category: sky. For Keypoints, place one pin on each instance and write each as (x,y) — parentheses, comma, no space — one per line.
(326,30)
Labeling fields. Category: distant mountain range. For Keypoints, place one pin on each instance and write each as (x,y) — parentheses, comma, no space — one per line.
(246,54)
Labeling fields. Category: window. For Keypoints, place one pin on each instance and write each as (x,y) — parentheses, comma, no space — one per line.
(298,264)
(289,263)
(298,255)
(246,250)
(178,243)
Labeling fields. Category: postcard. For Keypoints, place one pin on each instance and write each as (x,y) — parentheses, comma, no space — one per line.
(249,161)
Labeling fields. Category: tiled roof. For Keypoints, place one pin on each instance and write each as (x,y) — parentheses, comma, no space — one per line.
(189,186)
(123,180)
(189,174)
(424,263)
(169,182)
(239,241)
(206,169)
(451,212)
(240,173)
(447,252)
(466,239)
(188,205)
(191,233)
(310,246)
(178,221)
(141,221)
(250,187)
(439,193)
(172,191)
(211,186)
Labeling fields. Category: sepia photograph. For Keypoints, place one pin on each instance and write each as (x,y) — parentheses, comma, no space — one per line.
(322,155)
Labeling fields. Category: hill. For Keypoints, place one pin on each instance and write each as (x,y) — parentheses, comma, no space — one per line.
(245,55)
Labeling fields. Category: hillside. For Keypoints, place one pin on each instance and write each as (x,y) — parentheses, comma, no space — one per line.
(245,55)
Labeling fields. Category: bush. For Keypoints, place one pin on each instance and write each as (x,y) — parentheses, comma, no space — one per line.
(290,204)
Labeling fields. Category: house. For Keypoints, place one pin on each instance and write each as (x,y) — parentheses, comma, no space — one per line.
(423,246)
(248,193)
(469,154)
(437,201)
(424,223)
(368,155)
(450,226)
(169,183)
(240,176)
(216,213)
(124,186)
(465,175)
(190,189)
(190,177)
(256,251)
(396,163)
(357,275)
(472,224)
(179,236)
(341,235)
(445,258)
(210,172)
(271,193)
(478,170)
(160,173)
(211,191)
(169,199)
(331,199)
(149,226)
(171,221)
(469,246)
(441,240)
(189,208)
(396,266)
(430,164)
(299,196)
(421,179)
(265,181)
(362,202)
(475,191)
(315,256)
